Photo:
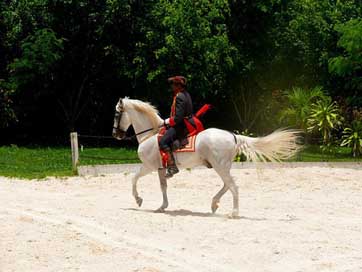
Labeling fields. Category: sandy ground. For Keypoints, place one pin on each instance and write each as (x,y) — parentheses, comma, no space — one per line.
(302,219)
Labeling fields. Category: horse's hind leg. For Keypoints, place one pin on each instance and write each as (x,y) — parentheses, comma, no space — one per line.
(216,198)
(229,183)
(140,173)
(163,183)
(235,191)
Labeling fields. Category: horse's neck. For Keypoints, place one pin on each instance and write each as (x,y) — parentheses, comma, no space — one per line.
(141,122)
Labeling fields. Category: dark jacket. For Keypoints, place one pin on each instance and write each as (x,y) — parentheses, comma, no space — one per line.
(182,108)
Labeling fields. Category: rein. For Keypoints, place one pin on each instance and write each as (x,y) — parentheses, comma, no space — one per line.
(143,131)
(139,133)
(136,134)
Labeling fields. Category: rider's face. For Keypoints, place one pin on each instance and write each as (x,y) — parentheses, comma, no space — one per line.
(176,88)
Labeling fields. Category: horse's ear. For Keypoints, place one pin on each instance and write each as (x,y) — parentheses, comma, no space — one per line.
(120,101)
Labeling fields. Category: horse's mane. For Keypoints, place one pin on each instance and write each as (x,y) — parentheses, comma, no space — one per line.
(146,108)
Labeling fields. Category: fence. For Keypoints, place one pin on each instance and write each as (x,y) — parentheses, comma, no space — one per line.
(76,151)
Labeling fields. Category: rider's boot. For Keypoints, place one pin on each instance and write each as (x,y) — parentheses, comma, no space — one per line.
(171,164)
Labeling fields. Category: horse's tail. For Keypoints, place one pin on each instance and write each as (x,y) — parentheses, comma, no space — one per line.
(279,145)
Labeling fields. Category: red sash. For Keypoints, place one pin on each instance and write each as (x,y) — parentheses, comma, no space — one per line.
(193,124)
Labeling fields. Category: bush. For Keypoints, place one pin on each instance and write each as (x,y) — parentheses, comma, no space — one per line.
(352,137)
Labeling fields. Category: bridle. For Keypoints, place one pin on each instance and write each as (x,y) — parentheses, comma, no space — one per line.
(117,118)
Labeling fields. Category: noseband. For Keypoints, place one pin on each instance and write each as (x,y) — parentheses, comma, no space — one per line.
(117,117)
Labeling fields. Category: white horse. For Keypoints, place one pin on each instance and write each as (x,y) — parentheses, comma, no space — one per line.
(214,148)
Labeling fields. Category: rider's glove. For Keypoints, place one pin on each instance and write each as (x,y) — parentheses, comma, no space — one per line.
(166,122)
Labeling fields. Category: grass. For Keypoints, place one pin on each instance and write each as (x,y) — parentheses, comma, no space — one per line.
(34,162)
(106,155)
(40,162)
(313,153)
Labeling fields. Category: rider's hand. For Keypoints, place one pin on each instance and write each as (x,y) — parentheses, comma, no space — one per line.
(166,123)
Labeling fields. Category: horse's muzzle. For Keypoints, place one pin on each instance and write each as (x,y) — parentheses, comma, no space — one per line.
(118,134)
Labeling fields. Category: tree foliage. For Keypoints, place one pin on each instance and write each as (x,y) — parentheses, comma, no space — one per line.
(190,38)
(299,106)
(40,53)
(65,63)
(348,63)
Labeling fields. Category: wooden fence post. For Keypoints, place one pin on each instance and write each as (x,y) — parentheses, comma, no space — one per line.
(75,151)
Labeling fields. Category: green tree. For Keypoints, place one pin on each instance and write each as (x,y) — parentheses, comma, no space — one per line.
(349,63)
(65,51)
(302,40)
(40,53)
(284,44)
(190,38)
(17,19)
(236,55)
(7,114)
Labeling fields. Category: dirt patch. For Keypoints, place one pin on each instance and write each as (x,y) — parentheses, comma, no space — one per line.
(295,219)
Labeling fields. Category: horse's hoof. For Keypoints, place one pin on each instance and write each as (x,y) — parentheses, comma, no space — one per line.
(234,215)
(139,201)
(214,207)
(160,210)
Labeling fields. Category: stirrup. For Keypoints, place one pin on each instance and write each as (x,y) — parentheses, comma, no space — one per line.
(170,171)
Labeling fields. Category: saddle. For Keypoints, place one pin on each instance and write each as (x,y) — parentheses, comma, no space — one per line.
(194,126)
(180,145)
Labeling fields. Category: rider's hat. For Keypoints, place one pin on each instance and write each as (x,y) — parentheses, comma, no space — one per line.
(177,80)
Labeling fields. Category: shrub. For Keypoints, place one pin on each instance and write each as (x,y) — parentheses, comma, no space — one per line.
(324,117)
(352,137)
(299,105)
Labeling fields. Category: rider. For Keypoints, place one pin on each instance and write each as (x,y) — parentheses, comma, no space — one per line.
(176,128)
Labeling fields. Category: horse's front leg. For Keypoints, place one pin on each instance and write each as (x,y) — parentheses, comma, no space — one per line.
(140,172)
(163,183)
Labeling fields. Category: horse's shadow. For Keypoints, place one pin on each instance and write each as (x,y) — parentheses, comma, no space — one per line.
(183,212)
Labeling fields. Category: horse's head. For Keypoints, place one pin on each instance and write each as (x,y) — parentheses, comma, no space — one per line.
(121,121)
